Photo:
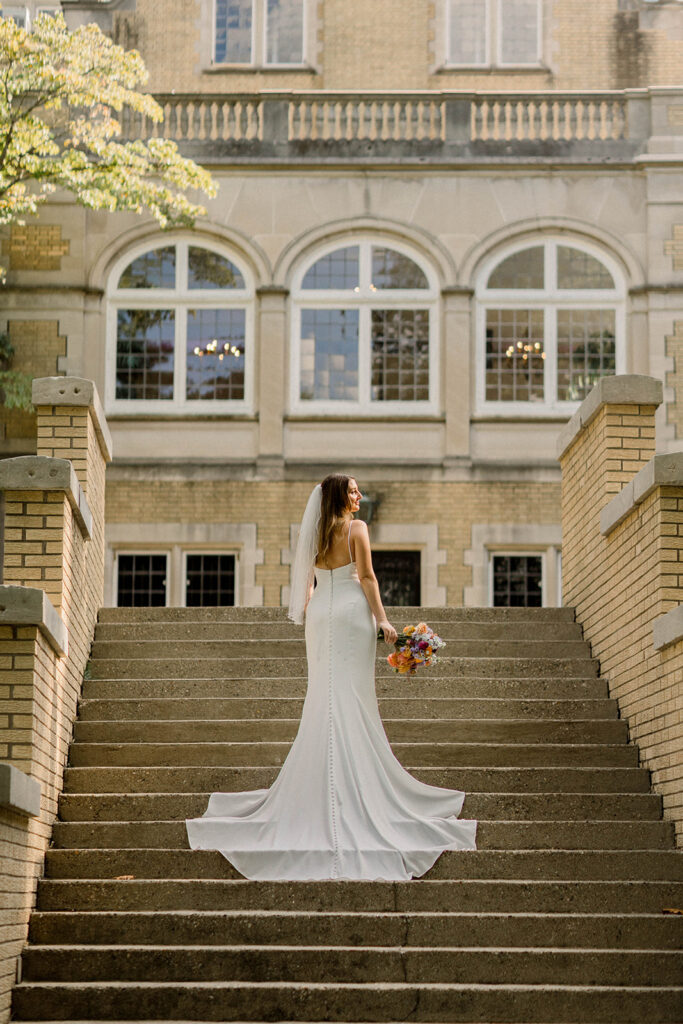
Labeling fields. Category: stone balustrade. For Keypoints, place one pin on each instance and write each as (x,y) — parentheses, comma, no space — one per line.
(448,125)
(53,570)
(622,566)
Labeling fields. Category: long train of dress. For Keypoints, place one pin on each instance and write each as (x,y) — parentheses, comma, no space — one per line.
(342,806)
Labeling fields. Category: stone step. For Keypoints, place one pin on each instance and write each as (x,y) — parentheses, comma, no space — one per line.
(490,806)
(447,629)
(491,835)
(591,930)
(467,895)
(584,865)
(249,650)
(422,755)
(308,1001)
(428,686)
(497,780)
(194,668)
(420,965)
(411,613)
(418,707)
(475,730)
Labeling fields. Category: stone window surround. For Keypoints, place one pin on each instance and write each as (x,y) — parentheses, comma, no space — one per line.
(162,298)
(175,539)
(548,299)
(394,537)
(488,539)
(493,35)
(258,63)
(415,298)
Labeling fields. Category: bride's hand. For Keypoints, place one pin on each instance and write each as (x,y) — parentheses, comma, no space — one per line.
(390,634)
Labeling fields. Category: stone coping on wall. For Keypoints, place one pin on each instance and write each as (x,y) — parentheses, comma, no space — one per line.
(30,606)
(56,391)
(19,793)
(668,629)
(43,473)
(660,471)
(621,389)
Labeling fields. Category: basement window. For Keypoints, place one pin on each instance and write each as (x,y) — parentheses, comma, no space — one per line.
(141,580)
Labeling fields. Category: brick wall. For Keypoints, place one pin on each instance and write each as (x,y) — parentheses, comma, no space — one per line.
(624,576)
(273,506)
(54,541)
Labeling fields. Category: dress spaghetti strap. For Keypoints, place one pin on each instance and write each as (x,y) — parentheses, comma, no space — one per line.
(349,539)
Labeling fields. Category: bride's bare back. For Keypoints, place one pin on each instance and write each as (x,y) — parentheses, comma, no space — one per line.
(340,550)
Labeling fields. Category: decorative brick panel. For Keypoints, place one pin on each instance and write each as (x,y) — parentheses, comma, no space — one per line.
(35,247)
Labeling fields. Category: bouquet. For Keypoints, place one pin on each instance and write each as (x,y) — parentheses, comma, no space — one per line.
(414,647)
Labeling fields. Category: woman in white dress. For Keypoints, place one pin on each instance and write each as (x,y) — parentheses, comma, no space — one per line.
(342,806)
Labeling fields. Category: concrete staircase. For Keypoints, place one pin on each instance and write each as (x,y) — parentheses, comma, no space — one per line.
(557,917)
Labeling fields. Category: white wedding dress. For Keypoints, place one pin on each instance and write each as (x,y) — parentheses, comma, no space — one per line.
(342,806)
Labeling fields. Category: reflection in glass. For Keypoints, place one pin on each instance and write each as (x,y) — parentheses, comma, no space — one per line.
(233,31)
(400,355)
(339,269)
(391,269)
(215,354)
(208,269)
(154,269)
(521,270)
(519,31)
(467,37)
(285,32)
(514,355)
(145,341)
(576,269)
(517,581)
(586,350)
(329,354)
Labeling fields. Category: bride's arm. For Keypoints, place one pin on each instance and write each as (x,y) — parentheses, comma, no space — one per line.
(368,580)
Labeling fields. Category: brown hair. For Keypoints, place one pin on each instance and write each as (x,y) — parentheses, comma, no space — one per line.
(335,502)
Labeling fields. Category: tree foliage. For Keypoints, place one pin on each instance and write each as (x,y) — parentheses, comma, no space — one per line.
(60,94)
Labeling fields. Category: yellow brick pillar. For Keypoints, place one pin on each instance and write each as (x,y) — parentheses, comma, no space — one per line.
(609,438)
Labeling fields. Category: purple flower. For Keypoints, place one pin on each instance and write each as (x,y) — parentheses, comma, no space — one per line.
(423,645)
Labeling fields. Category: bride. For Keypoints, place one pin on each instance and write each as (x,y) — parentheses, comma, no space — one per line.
(342,806)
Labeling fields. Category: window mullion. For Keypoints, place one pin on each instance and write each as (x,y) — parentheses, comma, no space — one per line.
(180,376)
(364,356)
(550,376)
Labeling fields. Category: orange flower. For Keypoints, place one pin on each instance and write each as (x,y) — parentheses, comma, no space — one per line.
(393,658)
(422,627)
(408,630)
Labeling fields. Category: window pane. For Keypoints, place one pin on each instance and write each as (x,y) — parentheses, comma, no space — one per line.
(576,269)
(519,31)
(517,581)
(391,269)
(215,354)
(210,581)
(514,355)
(145,343)
(141,581)
(400,355)
(586,350)
(207,269)
(521,270)
(467,41)
(155,269)
(398,577)
(17,13)
(285,32)
(233,31)
(329,354)
(337,270)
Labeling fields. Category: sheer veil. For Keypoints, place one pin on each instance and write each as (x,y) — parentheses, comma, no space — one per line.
(304,559)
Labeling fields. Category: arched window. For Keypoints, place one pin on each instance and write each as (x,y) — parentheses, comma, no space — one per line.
(364,331)
(180,330)
(550,324)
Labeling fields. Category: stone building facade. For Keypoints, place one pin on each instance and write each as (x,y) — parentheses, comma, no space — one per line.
(438,225)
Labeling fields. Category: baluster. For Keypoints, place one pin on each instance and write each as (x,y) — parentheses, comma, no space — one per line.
(544,119)
(189,113)
(521,120)
(531,110)
(337,120)
(567,120)
(580,125)
(348,113)
(213,133)
(592,134)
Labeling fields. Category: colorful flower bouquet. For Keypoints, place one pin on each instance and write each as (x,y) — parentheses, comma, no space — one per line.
(415,646)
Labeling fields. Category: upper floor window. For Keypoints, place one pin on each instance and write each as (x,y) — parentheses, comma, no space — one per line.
(550,324)
(259,32)
(179,331)
(364,331)
(24,14)
(505,33)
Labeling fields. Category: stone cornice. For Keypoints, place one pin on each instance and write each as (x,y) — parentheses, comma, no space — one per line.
(622,389)
(661,471)
(42,473)
(77,391)
(29,606)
